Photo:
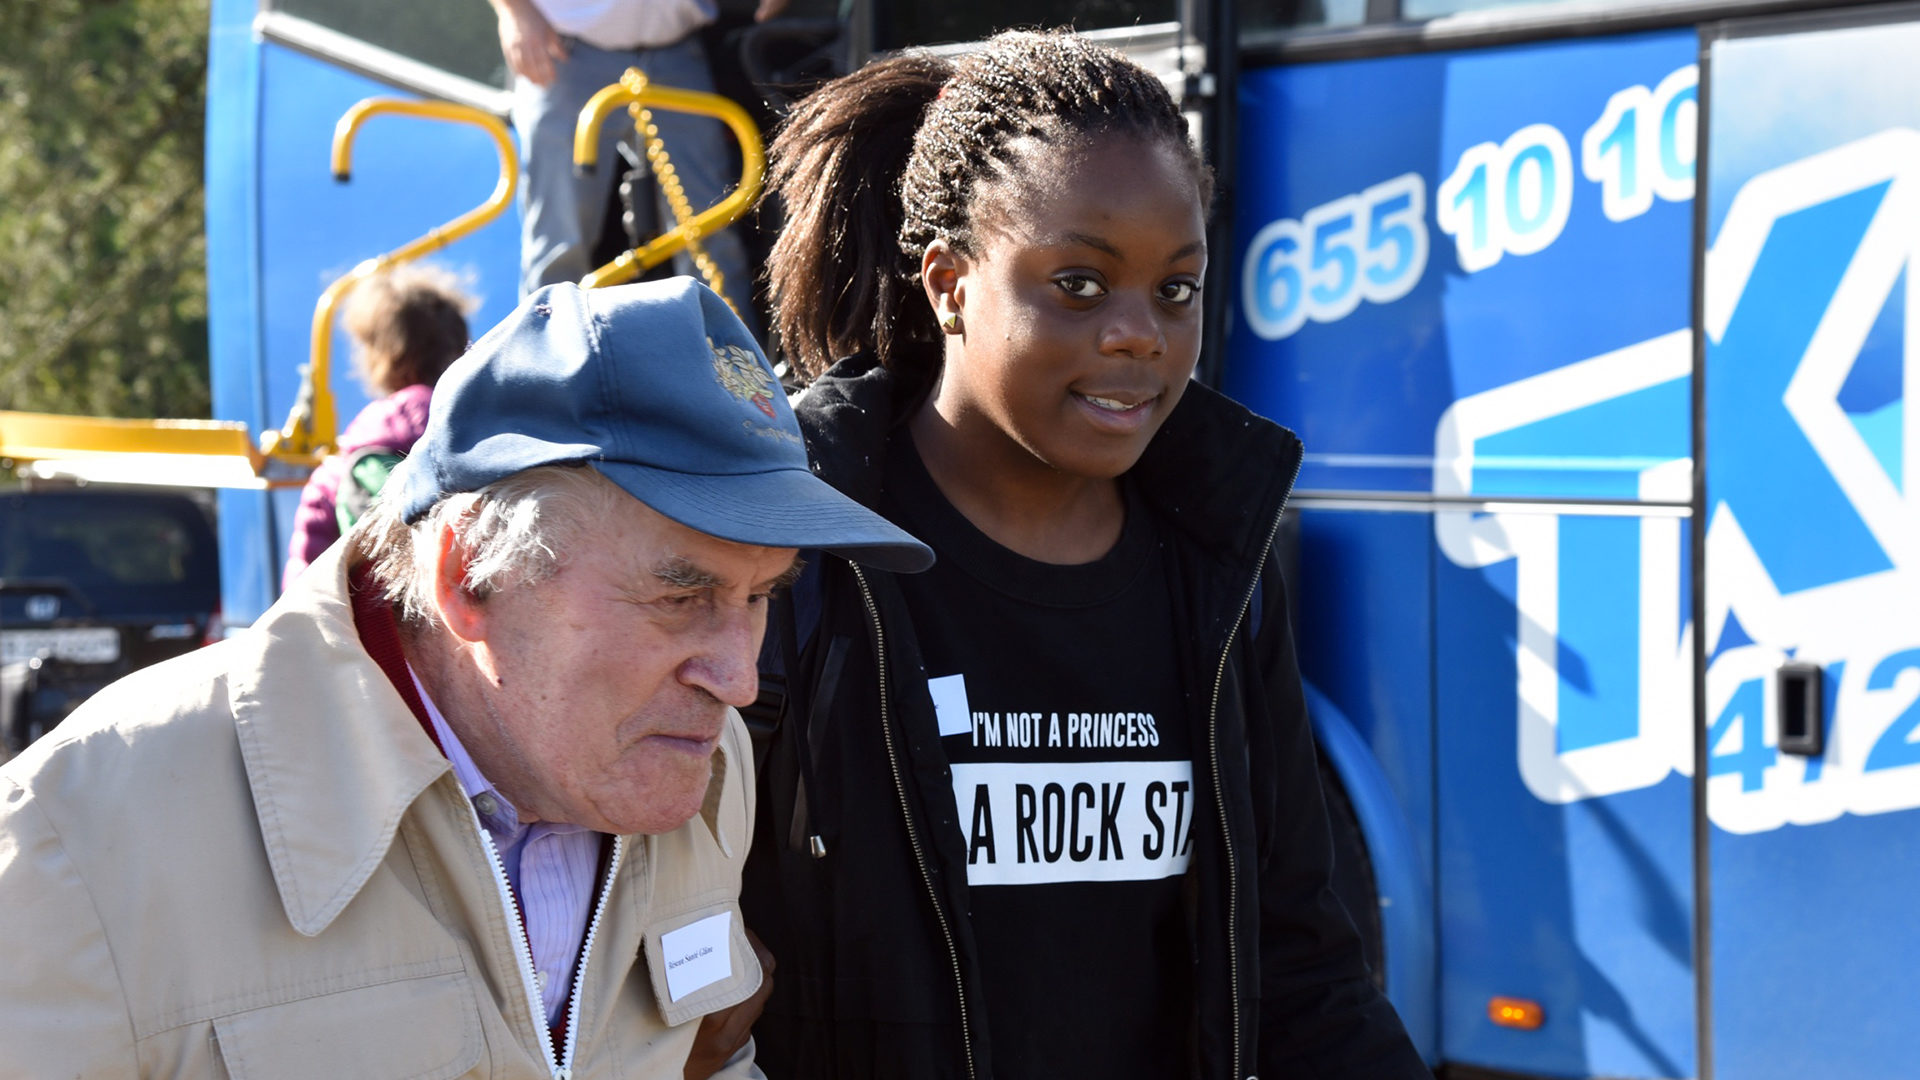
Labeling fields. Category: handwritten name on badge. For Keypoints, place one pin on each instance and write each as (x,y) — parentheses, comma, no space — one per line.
(697,954)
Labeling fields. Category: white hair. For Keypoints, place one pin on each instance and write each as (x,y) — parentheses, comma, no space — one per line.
(514,531)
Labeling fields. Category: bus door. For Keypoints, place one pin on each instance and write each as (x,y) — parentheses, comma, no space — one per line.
(1464,276)
(1812,545)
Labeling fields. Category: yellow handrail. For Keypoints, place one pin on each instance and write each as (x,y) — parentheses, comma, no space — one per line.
(217,453)
(309,431)
(753,167)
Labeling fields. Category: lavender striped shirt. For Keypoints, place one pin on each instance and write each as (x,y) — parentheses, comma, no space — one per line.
(552,869)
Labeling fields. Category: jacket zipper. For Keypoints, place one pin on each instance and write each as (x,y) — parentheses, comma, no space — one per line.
(1220,792)
(560,1069)
(913,835)
(586,950)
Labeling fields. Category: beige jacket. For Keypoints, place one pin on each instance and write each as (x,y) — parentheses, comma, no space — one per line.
(252,862)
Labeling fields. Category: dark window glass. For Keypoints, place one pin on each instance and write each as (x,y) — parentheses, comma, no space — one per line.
(900,25)
(124,552)
(458,36)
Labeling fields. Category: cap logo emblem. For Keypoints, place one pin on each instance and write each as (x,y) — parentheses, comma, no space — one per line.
(743,376)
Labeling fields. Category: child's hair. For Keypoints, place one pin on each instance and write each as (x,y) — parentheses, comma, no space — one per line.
(408,323)
(874,166)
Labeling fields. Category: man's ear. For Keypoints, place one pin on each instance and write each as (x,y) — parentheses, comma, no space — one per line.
(942,274)
(460,611)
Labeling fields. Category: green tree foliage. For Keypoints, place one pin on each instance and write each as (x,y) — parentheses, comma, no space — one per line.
(103,296)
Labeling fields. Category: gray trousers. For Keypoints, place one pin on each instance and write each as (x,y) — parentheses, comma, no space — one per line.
(562,215)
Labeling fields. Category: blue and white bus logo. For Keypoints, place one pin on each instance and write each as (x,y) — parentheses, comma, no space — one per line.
(1813,544)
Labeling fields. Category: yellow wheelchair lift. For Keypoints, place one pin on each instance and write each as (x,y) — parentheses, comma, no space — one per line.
(219,453)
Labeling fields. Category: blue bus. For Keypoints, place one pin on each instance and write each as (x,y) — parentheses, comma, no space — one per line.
(1593,318)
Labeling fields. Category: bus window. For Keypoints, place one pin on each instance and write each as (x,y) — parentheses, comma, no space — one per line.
(1429,9)
(935,24)
(456,36)
(1301,14)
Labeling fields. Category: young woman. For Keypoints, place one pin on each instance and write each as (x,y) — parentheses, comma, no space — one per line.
(1050,809)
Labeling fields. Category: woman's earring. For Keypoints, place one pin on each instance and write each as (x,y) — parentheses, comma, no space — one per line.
(951,323)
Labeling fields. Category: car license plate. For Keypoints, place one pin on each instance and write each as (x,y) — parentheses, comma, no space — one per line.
(82,645)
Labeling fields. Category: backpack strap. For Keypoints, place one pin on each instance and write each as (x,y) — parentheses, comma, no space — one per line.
(367,471)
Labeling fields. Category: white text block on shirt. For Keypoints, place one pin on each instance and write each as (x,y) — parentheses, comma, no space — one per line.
(950,704)
(698,954)
(1041,823)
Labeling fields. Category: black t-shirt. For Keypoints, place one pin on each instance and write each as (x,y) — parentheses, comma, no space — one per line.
(1060,709)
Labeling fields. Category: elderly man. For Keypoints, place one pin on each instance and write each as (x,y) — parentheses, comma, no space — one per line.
(470,800)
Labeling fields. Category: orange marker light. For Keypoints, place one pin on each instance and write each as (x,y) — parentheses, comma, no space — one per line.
(1516,1013)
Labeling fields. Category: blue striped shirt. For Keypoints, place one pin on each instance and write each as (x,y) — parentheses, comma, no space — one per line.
(551,869)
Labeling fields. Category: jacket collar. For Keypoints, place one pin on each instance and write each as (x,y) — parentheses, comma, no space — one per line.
(333,754)
(1248,462)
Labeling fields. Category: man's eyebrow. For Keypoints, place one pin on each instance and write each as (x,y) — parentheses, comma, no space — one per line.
(679,572)
(792,573)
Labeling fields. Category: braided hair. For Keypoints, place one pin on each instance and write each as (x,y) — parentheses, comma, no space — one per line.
(875,166)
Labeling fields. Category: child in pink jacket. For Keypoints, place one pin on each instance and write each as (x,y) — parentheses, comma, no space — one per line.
(407,324)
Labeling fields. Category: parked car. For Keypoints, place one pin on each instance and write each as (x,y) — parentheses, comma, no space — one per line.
(95,582)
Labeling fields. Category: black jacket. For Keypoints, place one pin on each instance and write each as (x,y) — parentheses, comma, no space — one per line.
(857,879)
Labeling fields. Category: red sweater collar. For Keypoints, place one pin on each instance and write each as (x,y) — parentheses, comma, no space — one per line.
(380,636)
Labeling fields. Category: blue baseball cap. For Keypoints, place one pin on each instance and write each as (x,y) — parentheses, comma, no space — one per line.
(660,387)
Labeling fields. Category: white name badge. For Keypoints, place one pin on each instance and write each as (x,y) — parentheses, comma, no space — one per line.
(1039,824)
(697,954)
